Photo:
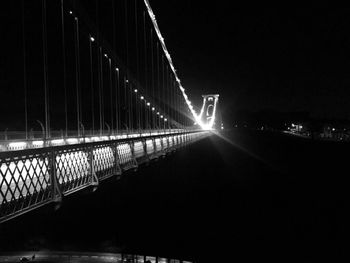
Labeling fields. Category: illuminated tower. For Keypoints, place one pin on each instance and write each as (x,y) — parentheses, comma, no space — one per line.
(209,112)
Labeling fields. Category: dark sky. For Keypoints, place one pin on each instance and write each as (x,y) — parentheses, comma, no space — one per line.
(282,59)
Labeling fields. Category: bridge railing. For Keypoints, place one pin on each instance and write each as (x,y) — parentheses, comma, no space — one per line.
(14,140)
(31,178)
(63,256)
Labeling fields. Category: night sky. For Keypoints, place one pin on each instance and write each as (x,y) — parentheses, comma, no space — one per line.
(279,59)
(287,60)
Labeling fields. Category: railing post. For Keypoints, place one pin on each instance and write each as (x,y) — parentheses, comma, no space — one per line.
(167,140)
(161,144)
(144,143)
(132,150)
(93,179)
(154,145)
(56,191)
(118,170)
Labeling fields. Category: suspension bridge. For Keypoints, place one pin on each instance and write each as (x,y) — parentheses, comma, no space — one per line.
(89,91)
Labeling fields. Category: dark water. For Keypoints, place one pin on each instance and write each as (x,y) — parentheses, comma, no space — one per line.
(263,196)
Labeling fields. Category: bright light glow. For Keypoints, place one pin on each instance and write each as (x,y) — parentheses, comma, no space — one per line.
(153,108)
(72,140)
(161,116)
(158,113)
(127,81)
(38,143)
(17,145)
(148,104)
(142,97)
(210,124)
(57,141)
(333,129)
(92,39)
(70,12)
(165,119)
(117,69)
(135,90)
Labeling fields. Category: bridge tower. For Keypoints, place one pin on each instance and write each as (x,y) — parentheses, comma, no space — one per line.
(210,116)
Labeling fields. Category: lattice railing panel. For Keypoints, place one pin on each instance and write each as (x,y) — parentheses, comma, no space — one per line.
(32,177)
(158,145)
(105,160)
(72,168)
(150,146)
(165,143)
(171,141)
(139,150)
(126,158)
(24,182)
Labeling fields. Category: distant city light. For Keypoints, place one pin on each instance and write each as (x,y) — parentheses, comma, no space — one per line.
(135,90)
(142,97)
(148,104)
(153,108)
(92,39)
